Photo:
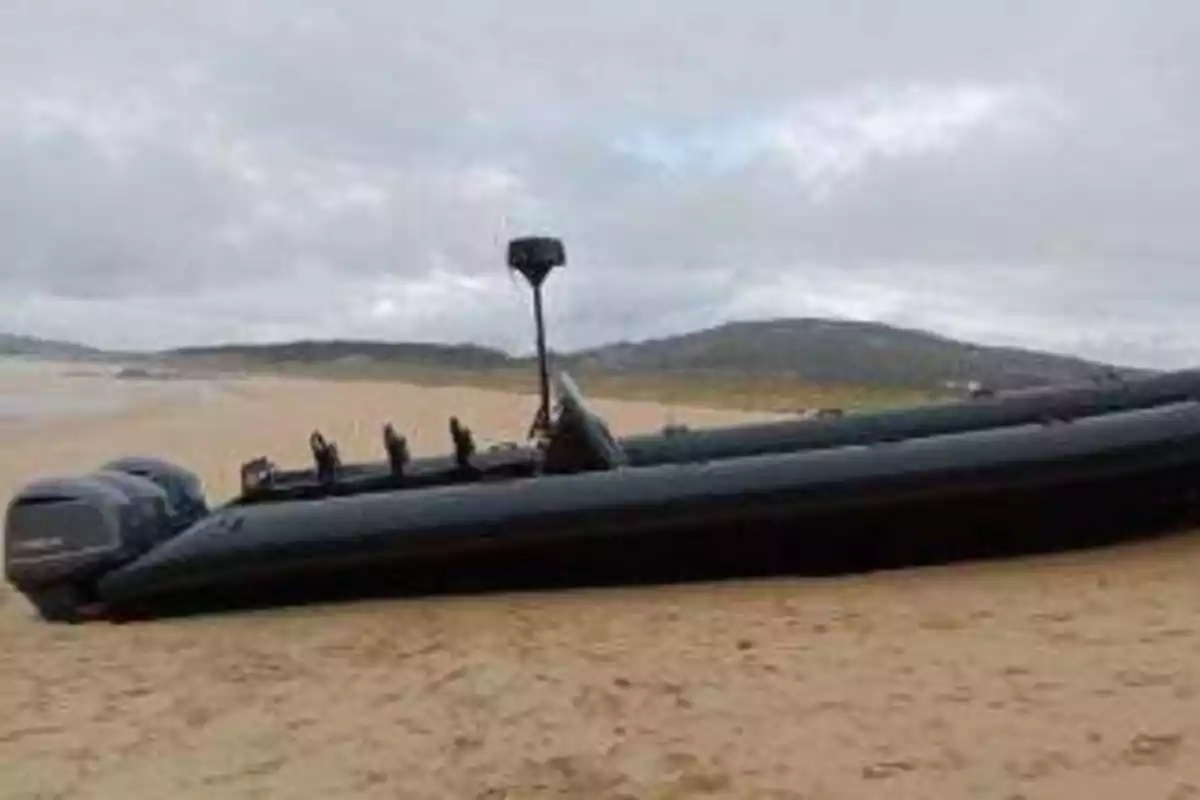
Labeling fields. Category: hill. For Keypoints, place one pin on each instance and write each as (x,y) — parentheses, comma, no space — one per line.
(818,351)
(834,351)
(31,346)
(348,351)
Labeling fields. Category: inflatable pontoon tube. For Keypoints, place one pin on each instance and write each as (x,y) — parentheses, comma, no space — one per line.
(791,491)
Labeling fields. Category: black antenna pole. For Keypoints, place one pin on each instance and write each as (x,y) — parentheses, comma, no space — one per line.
(534,257)
(543,368)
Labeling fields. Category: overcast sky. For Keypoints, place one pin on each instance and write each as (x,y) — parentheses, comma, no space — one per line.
(1018,172)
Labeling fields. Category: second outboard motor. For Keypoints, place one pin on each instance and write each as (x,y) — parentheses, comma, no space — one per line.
(185,494)
(150,505)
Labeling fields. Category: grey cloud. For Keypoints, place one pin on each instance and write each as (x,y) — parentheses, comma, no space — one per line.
(201,172)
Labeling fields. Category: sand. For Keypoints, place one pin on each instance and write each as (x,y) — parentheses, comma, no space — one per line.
(1063,677)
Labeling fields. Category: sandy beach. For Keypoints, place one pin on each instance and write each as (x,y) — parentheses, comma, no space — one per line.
(1061,677)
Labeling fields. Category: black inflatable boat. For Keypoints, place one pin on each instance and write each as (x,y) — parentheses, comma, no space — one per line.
(1012,472)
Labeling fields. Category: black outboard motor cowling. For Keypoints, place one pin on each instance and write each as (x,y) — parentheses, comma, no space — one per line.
(151,511)
(61,534)
(185,494)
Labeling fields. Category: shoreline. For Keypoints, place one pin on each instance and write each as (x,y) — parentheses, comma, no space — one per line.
(35,402)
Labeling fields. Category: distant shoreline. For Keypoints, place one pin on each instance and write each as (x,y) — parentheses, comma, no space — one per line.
(35,392)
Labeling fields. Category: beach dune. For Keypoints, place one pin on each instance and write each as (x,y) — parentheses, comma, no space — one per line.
(1064,677)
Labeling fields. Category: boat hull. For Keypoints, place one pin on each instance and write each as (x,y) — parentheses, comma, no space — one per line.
(1026,487)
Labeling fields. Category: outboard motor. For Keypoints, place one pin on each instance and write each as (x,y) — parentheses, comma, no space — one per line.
(150,504)
(61,534)
(185,494)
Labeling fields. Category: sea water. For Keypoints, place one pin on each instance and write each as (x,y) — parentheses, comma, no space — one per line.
(32,390)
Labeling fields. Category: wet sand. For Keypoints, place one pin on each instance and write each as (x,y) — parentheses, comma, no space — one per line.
(1063,677)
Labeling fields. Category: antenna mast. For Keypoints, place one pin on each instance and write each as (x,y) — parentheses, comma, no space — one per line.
(534,257)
